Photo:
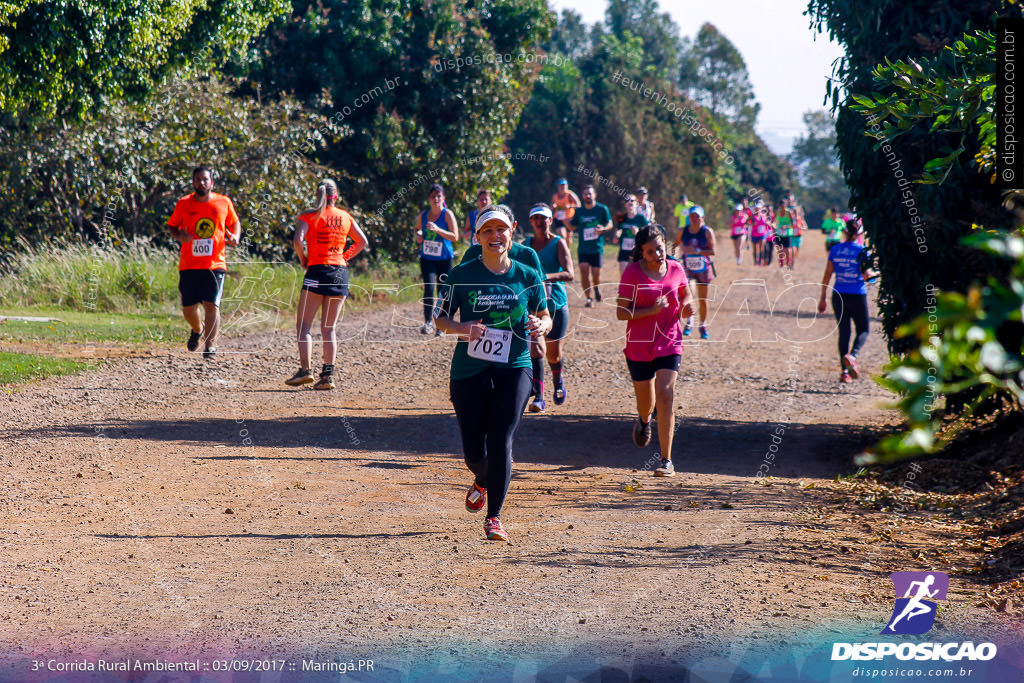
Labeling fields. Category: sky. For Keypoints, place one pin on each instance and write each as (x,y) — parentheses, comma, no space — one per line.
(787,61)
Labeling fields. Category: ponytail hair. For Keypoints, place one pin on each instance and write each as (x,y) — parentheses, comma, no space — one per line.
(649,232)
(326,190)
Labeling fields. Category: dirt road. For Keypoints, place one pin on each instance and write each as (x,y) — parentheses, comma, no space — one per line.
(165,506)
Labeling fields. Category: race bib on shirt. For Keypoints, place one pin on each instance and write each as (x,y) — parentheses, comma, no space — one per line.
(202,248)
(493,346)
(433,247)
(560,214)
(628,243)
(589,234)
(697,264)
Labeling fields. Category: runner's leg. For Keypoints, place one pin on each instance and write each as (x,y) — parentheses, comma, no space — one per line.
(664,392)
(329,314)
(843,318)
(702,294)
(585,275)
(309,304)
(858,306)
(429,275)
(644,399)
(508,401)
(192,317)
(211,313)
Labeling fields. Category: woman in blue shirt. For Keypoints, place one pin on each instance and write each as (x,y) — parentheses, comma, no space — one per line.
(849,296)
(436,231)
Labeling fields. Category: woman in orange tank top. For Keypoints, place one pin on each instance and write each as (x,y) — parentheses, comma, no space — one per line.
(320,242)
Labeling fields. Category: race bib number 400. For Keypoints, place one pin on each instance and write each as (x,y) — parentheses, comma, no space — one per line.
(628,243)
(493,346)
(202,247)
(432,248)
(589,234)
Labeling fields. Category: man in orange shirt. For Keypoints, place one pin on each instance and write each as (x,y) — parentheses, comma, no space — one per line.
(204,222)
(564,202)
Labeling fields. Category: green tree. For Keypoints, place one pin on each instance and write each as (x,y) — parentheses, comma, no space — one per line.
(659,34)
(715,75)
(423,95)
(118,174)
(916,229)
(817,164)
(68,59)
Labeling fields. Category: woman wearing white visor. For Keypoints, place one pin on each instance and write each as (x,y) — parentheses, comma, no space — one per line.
(556,260)
(500,305)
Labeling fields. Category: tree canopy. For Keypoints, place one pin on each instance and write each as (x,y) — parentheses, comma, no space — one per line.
(69,59)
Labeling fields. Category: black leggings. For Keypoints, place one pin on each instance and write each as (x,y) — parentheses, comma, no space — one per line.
(489,406)
(850,307)
(769,249)
(431,271)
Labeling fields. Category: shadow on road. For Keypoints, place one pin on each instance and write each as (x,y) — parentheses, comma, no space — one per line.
(570,442)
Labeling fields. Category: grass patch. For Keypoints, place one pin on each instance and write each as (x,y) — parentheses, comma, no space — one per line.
(79,328)
(16,368)
(130,294)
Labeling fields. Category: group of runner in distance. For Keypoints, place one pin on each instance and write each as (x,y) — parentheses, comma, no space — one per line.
(507,302)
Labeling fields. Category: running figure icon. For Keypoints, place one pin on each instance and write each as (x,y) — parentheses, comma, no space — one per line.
(916,589)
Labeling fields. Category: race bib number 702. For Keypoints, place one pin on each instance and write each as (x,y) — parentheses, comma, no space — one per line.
(493,346)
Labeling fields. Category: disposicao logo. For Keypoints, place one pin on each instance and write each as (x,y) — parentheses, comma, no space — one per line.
(914,614)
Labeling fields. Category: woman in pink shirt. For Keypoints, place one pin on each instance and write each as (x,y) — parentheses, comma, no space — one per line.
(653,296)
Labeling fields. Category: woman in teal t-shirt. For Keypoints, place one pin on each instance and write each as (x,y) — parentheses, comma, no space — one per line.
(556,260)
(500,304)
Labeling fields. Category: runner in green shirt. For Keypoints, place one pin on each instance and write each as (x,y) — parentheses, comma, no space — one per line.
(500,305)
(628,228)
(591,221)
(833,229)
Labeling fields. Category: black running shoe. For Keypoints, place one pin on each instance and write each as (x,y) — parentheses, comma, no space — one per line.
(209,352)
(641,433)
(193,341)
(299,378)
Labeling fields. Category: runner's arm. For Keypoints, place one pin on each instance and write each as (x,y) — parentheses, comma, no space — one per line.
(233,233)
(710,251)
(359,242)
(576,200)
(624,309)
(179,234)
(299,242)
(564,258)
(829,268)
(685,302)
(539,323)
(452,233)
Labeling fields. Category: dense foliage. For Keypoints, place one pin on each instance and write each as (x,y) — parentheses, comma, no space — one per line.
(968,344)
(424,95)
(915,228)
(591,121)
(118,175)
(69,59)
